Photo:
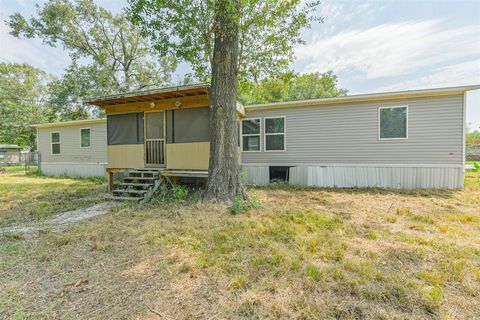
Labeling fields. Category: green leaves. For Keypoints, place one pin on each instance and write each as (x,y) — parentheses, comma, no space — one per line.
(290,86)
(23,102)
(97,40)
(269,30)
(476,166)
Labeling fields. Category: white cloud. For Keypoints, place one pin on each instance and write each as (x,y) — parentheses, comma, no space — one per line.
(338,15)
(390,49)
(31,51)
(465,73)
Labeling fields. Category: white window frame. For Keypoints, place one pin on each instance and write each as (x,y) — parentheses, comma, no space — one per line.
(59,143)
(90,137)
(275,134)
(259,134)
(379,123)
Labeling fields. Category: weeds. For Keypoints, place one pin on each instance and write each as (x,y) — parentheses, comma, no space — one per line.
(241,205)
(167,195)
(313,272)
(179,193)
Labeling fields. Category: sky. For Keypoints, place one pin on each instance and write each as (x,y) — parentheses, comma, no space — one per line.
(372,46)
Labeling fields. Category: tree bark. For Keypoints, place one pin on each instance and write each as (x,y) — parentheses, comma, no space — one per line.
(224,178)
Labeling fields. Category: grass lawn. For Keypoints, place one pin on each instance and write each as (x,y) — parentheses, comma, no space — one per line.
(27,198)
(303,254)
(10,169)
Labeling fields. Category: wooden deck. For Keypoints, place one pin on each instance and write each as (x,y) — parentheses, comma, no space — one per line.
(184,173)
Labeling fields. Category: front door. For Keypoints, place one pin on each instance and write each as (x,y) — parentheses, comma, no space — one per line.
(155,139)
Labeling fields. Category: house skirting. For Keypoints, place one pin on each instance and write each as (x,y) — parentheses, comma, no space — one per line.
(74,170)
(364,176)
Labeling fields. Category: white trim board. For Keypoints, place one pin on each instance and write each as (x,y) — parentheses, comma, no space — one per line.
(89,137)
(259,134)
(379,124)
(74,163)
(265,134)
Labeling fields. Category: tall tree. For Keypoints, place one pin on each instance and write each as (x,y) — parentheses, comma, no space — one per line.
(23,102)
(224,181)
(108,53)
(290,86)
(224,41)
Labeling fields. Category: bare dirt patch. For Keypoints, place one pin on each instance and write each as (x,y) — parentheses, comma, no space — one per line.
(61,221)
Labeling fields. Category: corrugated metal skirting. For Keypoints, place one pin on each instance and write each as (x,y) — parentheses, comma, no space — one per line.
(381,177)
(74,170)
(256,175)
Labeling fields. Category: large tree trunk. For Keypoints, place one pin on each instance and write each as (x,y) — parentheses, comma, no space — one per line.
(224,179)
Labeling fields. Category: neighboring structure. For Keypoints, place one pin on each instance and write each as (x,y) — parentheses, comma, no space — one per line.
(167,130)
(73,148)
(409,139)
(9,154)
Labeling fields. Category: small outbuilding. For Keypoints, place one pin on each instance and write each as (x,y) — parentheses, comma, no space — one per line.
(9,154)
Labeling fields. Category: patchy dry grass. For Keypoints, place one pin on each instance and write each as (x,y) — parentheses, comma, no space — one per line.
(304,254)
(26,198)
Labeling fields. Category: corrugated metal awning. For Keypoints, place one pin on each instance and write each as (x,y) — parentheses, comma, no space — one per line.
(150,95)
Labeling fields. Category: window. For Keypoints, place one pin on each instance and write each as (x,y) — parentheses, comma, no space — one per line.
(85,138)
(275,134)
(251,134)
(393,122)
(55,140)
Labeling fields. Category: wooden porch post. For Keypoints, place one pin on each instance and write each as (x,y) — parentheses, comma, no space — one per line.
(109,181)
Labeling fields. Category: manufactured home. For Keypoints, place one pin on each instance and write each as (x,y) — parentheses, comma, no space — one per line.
(73,148)
(407,139)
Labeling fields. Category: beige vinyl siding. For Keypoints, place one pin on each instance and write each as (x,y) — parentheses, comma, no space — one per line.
(348,134)
(70,150)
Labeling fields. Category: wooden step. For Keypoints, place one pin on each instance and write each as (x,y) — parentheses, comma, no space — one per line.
(130,191)
(119,198)
(144,172)
(141,178)
(133,184)
(126,198)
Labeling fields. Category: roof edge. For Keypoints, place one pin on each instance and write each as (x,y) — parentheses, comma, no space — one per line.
(366,97)
(68,123)
(146,92)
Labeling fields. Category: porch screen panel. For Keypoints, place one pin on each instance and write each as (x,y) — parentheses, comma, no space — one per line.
(188,125)
(154,122)
(125,128)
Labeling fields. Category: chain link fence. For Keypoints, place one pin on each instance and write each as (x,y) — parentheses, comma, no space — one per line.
(472,152)
(28,161)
